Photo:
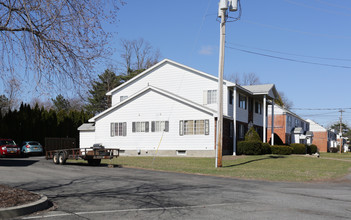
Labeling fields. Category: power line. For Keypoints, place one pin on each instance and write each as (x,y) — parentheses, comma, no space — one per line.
(319,109)
(296,31)
(289,59)
(293,54)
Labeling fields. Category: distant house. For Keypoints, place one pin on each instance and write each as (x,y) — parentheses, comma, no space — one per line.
(324,139)
(171,109)
(289,127)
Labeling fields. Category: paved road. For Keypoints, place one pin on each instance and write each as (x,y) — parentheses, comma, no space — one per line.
(83,192)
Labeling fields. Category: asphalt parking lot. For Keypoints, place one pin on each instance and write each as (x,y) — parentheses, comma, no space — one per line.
(84,192)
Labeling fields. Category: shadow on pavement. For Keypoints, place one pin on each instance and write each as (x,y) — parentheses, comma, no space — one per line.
(15,162)
(250,161)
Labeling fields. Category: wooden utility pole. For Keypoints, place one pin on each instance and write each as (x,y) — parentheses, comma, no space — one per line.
(341,143)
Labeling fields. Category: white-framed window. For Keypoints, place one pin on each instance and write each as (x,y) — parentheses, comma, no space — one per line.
(258,107)
(159,126)
(242,101)
(140,126)
(194,127)
(123,97)
(118,129)
(210,97)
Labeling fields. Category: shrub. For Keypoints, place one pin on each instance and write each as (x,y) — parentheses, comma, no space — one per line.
(249,147)
(281,149)
(252,135)
(299,148)
(313,149)
(266,148)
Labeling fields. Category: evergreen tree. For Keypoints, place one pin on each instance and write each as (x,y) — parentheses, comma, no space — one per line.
(98,101)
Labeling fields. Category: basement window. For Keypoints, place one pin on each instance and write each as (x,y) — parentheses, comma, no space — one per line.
(181,152)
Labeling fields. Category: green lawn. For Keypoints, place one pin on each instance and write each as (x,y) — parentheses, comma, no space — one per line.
(346,156)
(264,167)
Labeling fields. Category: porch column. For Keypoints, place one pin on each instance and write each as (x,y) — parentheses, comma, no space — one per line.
(272,128)
(264,118)
(234,120)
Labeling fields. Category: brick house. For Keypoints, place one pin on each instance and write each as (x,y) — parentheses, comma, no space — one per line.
(323,138)
(288,126)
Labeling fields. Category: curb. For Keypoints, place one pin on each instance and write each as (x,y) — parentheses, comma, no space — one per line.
(25,209)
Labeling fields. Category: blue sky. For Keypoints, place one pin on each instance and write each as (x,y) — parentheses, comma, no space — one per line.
(315,31)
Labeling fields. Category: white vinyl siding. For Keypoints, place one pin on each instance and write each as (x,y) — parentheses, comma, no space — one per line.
(176,80)
(163,108)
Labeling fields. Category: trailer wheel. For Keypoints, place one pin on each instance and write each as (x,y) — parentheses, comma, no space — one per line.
(62,158)
(56,158)
(94,162)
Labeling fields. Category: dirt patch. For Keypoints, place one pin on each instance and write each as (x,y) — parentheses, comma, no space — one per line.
(10,197)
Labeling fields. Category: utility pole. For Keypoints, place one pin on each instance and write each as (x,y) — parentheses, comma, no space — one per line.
(341,143)
(222,12)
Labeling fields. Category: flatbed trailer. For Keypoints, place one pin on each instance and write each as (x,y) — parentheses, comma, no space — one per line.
(93,155)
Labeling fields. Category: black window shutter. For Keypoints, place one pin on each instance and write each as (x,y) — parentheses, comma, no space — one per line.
(133,127)
(153,126)
(181,128)
(166,126)
(124,128)
(146,126)
(112,129)
(207,127)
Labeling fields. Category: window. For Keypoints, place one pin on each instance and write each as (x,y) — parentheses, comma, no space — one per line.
(142,126)
(230,97)
(159,126)
(210,96)
(119,129)
(258,108)
(194,127)
(241,131)
(122,97)
(242,101)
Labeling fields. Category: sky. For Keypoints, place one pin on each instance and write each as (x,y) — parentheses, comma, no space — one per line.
(302,46)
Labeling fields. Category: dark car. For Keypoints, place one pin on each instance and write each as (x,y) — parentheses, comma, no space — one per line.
(9,148)
(31,148)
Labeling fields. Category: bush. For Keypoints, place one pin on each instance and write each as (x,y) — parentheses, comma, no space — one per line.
(312,149)
(252,135)
(281,150)
(266,148)
(299,148)
(249,147)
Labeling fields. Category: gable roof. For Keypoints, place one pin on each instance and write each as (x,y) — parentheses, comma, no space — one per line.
(162,63)
(160,91)
(263,89)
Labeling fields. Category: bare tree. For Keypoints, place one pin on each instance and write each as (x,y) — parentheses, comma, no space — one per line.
(58,40)
(250,79)
(246,79)
(138,54)
(284,101)
(12,89)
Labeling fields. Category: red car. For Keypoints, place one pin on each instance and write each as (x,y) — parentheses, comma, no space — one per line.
(9,148)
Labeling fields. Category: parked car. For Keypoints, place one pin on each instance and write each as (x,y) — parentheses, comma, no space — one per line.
(31,148)
(9,148)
